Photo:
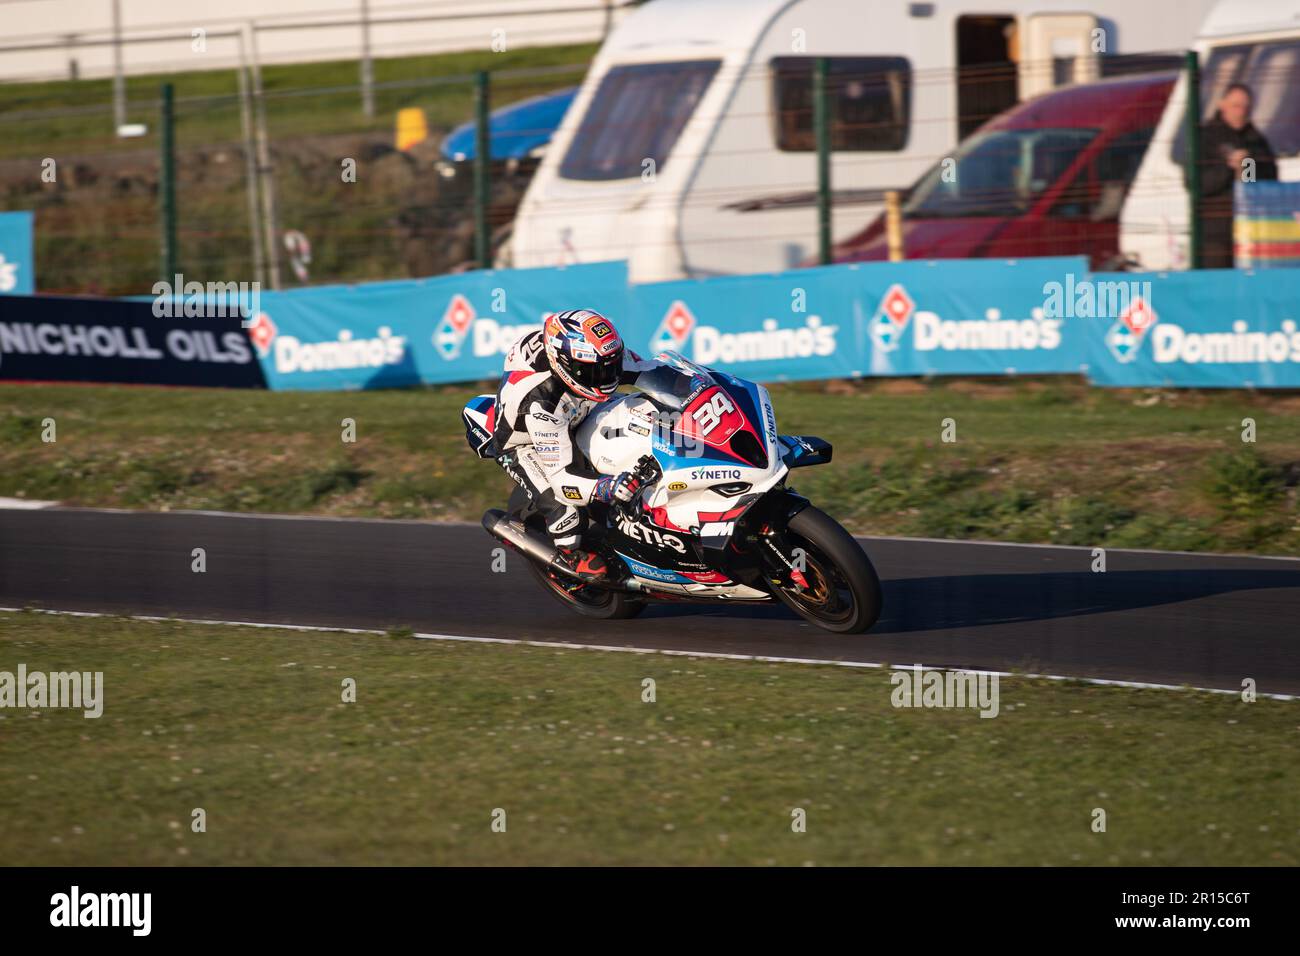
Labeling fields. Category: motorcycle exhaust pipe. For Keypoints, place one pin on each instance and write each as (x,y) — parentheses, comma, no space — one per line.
(498,524)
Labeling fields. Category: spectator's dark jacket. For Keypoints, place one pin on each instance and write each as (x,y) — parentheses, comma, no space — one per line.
(1218,139)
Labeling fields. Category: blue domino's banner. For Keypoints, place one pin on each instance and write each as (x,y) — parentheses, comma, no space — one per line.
(972,317)
(453,328)
(1219,328)
(17,263)
(1224,328)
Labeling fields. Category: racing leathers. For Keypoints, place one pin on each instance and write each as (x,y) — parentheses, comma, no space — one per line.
(535,419)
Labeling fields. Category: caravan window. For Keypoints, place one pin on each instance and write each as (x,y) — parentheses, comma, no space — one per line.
(1272,71)
(637,114)
(870,99)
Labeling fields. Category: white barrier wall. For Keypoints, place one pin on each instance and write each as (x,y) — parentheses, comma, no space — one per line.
(49,39)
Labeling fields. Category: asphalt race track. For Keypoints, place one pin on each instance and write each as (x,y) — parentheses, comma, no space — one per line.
(1203,620)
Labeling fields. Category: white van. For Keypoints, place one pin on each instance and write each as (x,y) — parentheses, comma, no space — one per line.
(689,149)
(1256,42)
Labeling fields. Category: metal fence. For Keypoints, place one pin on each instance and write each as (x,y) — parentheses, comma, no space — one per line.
(293,183)
(273,183)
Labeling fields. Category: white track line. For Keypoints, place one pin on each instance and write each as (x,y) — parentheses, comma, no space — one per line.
(1077,547)
(711,655)
(25,504)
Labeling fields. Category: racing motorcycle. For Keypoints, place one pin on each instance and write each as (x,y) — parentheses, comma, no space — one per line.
(713,519)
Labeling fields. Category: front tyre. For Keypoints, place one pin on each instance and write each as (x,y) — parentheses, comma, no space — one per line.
(843,592)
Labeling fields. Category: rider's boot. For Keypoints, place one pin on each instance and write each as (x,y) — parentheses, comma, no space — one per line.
(585,564)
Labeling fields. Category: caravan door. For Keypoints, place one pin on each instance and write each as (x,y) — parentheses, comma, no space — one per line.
(1058,49)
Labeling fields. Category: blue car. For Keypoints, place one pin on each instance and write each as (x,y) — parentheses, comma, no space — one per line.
(516,131)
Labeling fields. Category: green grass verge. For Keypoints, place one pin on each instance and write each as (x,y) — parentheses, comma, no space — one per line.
(1034,461)
(250,726)
(58,118)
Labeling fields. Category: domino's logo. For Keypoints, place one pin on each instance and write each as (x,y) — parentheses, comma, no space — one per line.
(675,329)
(1126,336)
(454,327)
(892,318)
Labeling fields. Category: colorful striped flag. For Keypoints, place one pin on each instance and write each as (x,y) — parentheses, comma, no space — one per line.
(1266,225)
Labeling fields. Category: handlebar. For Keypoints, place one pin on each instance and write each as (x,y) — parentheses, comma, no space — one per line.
(646,472)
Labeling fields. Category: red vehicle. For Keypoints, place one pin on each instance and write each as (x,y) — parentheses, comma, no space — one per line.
(1046,178)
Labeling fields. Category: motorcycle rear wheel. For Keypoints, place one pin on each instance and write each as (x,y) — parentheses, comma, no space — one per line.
(843,593)
(588,600)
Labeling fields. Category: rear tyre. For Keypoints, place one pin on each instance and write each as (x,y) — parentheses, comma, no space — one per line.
(843,593)
(588,600)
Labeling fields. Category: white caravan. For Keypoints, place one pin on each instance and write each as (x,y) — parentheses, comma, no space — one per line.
(1256,42)
(689,150)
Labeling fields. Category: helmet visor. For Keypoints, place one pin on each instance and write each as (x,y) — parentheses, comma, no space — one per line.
(602,375)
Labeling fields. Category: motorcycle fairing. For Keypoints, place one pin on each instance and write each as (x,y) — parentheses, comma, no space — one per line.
(479,414)
(799,451)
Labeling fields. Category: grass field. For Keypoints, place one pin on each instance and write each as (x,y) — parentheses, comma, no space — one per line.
(1034,460)
(73,116)
(250,726)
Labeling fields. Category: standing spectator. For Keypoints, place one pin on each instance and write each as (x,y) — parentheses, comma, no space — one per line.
(1227,141)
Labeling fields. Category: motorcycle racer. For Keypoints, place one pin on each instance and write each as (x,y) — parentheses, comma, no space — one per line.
(552,380)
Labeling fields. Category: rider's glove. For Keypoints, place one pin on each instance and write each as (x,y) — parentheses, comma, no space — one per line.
(621,488)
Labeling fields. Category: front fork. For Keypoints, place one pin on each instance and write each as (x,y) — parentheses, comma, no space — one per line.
(785,560)
(779,562)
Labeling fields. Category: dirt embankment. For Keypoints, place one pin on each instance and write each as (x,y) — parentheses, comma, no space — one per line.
(98,223)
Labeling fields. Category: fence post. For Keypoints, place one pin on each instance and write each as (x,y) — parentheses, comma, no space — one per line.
(167,185)
(119,81)
(265,170)
(367,64)
(821,126)
(1193,158)
(482,158)
(259,260)
(894,225)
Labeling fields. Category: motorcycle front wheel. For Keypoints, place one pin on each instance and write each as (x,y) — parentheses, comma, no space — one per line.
(843,592)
